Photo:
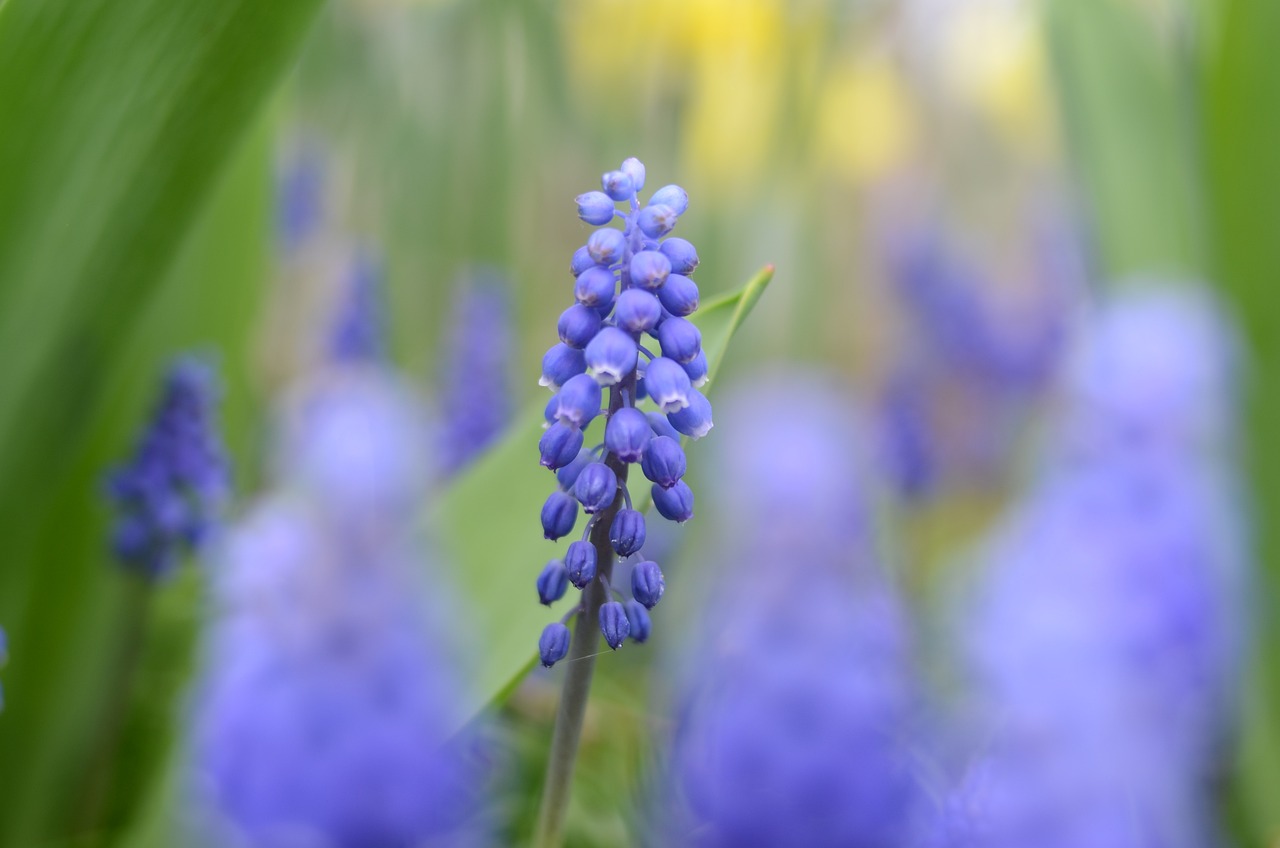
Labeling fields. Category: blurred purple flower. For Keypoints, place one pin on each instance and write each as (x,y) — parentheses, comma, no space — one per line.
(169,493)
(358,333)
(299,197)
(793,719)
(475,390)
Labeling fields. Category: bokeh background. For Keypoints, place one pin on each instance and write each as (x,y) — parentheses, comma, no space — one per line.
(944,187)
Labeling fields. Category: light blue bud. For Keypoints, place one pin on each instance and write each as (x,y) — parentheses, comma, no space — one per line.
(595,208)
(634,169)
(671,196)
(667,383)
(611,356)
(617,184)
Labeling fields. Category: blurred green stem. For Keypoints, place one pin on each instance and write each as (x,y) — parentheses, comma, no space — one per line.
(580,665)
(135,609)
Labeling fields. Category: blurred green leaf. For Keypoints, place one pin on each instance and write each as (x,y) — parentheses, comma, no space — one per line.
(1127,122)
(488,527)
(120,121)
(1242,142)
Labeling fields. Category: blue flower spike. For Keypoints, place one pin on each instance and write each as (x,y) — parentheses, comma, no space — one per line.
(626,353)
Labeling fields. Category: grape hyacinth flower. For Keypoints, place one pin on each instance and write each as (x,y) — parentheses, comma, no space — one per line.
(168,496)
(629,284)
(474,385)
(358,333)
(793,716)
(1105,637)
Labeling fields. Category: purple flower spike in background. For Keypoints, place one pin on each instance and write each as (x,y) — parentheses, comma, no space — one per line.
(793,714)
(622,310)
(169,495)
(359,331)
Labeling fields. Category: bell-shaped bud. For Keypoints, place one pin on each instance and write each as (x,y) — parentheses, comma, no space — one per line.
(614,624)
(626,534)
(580,563)
(656,221)
(553,582)
(578,400)
(559,514)
(674,504)
(607,246)
(634,169)
(679,295)
(581,261)
(559,364)
(680,338)
(696,368)
(638,621)
(663,462)
(695,419)
(611,356)
(672,196)
(637,311)
(595,208)
(618,185)
(661,426)
(578,325)
(596,487)
(627,433)
(668,384)
(568,475)
(647,583)
(553,644)
(684,259)
(650,269)
(559,446)
(595,286)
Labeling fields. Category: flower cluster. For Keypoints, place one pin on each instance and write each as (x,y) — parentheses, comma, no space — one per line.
(628,282)
(168,495)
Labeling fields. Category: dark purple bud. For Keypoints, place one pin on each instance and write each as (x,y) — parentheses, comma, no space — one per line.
(672,196)
(627,433)
(680,339)
(559,446)
(684,259)
(614,624)
(549,411)
(649,269)
(553,644)
(696,368)
(638,621)
(596,487)
(626,534)
(559,514)
(578,325)
(638,311)
(695,419)
(559,364)
(634,169)
(647,583)
(667,383)
(578,400)
(568,475)
(679,296)
(661,426)
(607,246)
(580,563)
(656,221)
(581,261)
(553,582)
(663,461)
(618,185)
(595,208)
(594,286)
(674,504)
(611,356)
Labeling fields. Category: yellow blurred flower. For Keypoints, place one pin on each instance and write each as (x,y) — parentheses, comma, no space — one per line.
(865,123)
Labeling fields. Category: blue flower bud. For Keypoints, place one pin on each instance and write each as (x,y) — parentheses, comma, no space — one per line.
(549,411)
(553,582)
(596,487)
(578,325)
(568,475)
(667,383)
(607,246)
(595,208)
(614,624)
(553,644)
(559,446)
(559,364)
(559,514)
(679,295)
(578,401)
(638,311)
(580,563)
(661,426)
(649,269)
(647,583)
(638,621)
(673,196)
(617,184)
(634,169)
(674,504)
(663,462)
(595,286)
(684,259)
(626,533)
(656,221)
(611,355)
(680,339)
(581,261)
(696,369)
(627,433)
(695,419)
